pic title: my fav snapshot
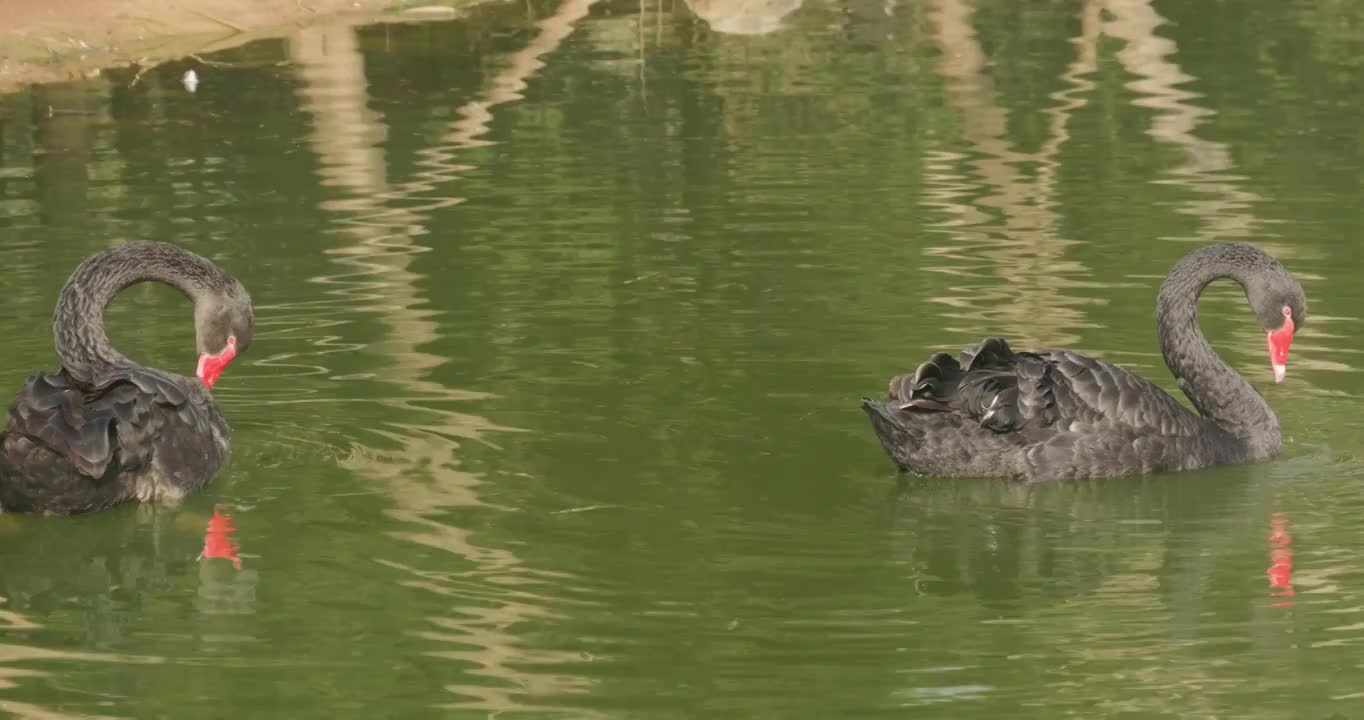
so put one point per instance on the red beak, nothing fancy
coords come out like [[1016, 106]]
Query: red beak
[[1278, 342], [211, 366]]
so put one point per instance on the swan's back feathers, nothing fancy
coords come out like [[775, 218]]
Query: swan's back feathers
[[51, 410], [1091, 391], [1002, 390], [1049, 413], [139, 433]]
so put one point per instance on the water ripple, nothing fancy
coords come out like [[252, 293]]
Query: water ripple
[[419, 467]]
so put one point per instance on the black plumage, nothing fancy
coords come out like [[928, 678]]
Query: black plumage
[[1051, 414], [105, 430]]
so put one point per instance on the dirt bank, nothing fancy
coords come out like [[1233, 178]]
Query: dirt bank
[[56, 40]]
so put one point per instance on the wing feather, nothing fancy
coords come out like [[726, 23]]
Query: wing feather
[[1008, 391], [69, 447]]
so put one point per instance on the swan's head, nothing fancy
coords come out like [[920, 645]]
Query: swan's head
[[223, 326], [1281, 307]]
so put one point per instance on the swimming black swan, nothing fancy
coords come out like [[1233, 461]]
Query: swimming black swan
[[1053, 414], [105, 429]]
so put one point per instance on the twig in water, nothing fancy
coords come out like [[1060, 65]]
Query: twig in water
[[142, 69], [219, 20], [584, 508]]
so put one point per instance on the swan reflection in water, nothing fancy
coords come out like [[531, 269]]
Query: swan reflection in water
[[1280, 570], [218, 542], [224, 587]]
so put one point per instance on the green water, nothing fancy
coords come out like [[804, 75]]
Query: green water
[[563, 315]]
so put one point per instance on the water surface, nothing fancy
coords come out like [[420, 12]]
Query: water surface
[[564, 312]]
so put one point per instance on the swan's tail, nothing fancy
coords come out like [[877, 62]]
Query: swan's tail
[[879, 412], [887, 420]]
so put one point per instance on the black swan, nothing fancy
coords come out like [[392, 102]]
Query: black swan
[[105, 429], [1057, 414]]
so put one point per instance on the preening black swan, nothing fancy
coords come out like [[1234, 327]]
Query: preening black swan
[[105, 429], [1053, 414]]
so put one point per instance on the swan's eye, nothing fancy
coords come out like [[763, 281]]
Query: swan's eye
[[1287, 311]]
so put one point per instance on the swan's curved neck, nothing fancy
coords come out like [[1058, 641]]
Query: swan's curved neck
[[78, 322], [1216, 390]]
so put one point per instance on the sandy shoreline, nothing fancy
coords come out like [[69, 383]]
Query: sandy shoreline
[[59, 40]]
